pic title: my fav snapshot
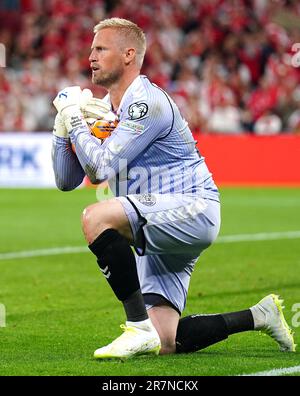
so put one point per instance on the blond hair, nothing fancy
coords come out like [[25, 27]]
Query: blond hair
[[129, 33]]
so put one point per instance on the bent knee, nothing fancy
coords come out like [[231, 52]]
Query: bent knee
[[94, 221], [98, 217], [87, 217]]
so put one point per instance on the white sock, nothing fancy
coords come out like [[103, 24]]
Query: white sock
[[259, 317], [142, 324]]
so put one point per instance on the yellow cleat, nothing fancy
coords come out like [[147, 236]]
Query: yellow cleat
[[275, 324], [138, 339]]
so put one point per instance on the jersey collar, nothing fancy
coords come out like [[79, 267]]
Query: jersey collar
[[132, 87]]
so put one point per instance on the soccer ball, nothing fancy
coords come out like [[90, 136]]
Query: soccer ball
[[101, 129]]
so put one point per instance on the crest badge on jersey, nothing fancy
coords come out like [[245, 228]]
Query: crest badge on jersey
[[137, 110], [146, 199]]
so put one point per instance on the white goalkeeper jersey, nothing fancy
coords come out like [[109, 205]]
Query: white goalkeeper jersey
[[152, 150]]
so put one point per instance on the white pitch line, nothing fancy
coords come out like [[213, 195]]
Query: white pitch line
[[275, 372], [43, 252], [265, 236]]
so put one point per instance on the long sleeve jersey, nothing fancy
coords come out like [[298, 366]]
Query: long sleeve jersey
[[152, 150]]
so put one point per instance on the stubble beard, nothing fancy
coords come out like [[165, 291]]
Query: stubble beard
[[108, 79]]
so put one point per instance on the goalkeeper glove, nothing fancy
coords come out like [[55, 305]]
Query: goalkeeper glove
[[75, 105], [94, 108], [67, 103], [59, 128]]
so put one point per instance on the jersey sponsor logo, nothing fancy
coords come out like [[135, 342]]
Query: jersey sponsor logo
[[146, 199], [132, 125], [137, 110]]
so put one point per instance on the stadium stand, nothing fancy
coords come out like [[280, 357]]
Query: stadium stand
[[227, 63]]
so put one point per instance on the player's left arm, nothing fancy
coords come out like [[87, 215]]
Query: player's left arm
[[140, 124]]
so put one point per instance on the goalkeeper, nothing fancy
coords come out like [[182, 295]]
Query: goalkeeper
[[166, 206]]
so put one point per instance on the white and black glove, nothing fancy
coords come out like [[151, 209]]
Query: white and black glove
[[59, 128], [74, 106], [94, 108], [67, 103]]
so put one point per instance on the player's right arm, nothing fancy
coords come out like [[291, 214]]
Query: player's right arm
[[67, 169], [73, 106]]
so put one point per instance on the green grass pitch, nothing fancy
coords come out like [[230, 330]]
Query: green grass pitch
[[59, 308]]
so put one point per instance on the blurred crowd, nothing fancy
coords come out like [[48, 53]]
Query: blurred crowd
[[230, 65]]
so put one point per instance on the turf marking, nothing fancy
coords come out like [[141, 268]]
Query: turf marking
[[264, 236], [275, 372], [44, 252]]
